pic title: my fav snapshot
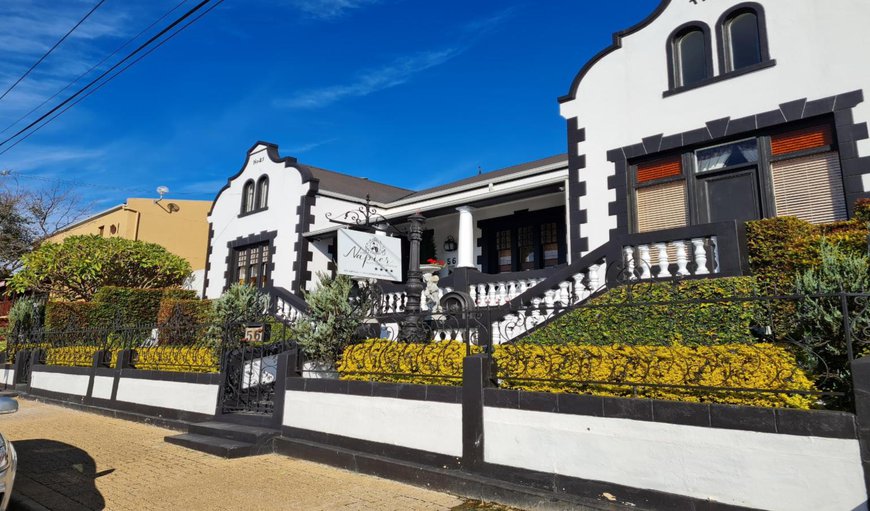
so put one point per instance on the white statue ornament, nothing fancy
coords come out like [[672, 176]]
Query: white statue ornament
[[431, 294]]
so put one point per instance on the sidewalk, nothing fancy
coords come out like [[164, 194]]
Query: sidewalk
[[73, 460]]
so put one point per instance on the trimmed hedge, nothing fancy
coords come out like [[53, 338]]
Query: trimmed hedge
[[440, 363], [72, 316], [621, 316], [184, 321], [179, 359], [111, 305], [609, 368], [74, 356]]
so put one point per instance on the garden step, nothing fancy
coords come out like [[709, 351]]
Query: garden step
[[217, 446], [238, 432]]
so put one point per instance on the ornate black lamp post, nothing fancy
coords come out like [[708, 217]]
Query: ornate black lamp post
[[411, 329]]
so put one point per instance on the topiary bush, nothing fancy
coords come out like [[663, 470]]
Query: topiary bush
[[128, 306], [183, 321], [647, 314], [239, 305], [436, 363]]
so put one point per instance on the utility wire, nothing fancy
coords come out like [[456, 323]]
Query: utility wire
[[98, 87], [62, 39], [111, 69], [95, 66]]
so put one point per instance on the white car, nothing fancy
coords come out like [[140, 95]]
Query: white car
[[8, 457]]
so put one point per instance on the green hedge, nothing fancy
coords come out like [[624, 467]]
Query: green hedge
[[127, 306], [184, 321], [621, 316]]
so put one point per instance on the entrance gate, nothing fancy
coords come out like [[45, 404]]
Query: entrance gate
[[251, 373]]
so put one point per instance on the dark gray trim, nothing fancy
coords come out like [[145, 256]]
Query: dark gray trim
[[818, 423], [230, 263], [847, 133], [721, 77], [376, 448], [577, 217], [755, 8], [208, 253], [433, 393], [301, 246], [671, 50], [615, 45], [272, 153]]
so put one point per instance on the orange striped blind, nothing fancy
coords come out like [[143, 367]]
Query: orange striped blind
[[659, 169], [808, 138]]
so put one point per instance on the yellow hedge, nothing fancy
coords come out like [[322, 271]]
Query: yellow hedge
[[181, 359], [437, 363], [688, 373]]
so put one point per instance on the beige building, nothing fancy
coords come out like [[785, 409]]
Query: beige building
[[180, 226]]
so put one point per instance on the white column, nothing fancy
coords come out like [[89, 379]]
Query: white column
[[465, 255]]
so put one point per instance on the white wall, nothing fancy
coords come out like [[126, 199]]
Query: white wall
[[191, 397], [820, 47], [76, 384], [103, 387], [423, 425], [757, 470], [7, 376], [285, 194]]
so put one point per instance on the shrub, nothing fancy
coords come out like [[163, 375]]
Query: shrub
[[25, 315], [71, 316], [184, 321], [621, 315], [437, 363], [127, 306], [332, 319], [75, 356], [239, 305], [76, 268], [182, 359], [609, 368]]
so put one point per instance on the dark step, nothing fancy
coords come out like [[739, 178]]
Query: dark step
[[453, 481], [222, 447], [238, 432]]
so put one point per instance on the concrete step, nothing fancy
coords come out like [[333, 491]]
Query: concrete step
[[217, 446], [238, 432]]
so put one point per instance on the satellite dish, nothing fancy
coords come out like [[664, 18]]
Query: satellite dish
[[162, 190]]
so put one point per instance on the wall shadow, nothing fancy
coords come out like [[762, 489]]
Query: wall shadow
[[57, 475]]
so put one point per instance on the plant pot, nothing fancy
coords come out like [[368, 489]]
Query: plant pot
[[430, 268], [321, 370]]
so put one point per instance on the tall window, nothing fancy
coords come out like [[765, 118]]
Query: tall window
[[252, 265], [263, 192], [691, 57], [248, 197], [742, 41]]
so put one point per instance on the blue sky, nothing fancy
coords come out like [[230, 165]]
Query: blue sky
[[407, 92]]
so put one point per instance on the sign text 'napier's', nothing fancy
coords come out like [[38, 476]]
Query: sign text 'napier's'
[[361, 254]]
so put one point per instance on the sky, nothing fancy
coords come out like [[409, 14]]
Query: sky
[[406, 92]]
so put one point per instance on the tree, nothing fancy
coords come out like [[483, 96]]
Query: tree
[[28, 216], [76, 268]]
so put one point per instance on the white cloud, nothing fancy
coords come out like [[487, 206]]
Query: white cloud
[[330, 9], [391, 75]]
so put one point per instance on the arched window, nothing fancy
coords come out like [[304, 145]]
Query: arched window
[[742, 38], [690, 57], [263, 192], [690, 51], [248, 197]]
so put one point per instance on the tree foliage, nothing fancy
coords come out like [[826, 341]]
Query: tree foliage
[[78, 267], [239, 305]]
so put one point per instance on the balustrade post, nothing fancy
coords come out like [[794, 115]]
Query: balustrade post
[[682, 258], [578, 288], [594, 278], [662, 250], [645, 262], [564, 293], [628, 253], [700, 256]]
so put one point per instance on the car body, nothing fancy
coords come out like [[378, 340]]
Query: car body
[[8, 456]]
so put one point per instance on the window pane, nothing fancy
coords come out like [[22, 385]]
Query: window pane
[[729, 155], [691, 57], [744, 41], [249, 197], [550, 244], [504, 248], [526, 248], [263, 193]]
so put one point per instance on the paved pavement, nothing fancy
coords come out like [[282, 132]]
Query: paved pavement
[[71, 460]]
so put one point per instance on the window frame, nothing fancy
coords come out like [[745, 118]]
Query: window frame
[[694, 180], [236, 246], [674, 80], [722, 40], [520, 219], [257, 190]]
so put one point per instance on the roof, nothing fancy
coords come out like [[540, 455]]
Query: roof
[[488, 176], [357, 186]]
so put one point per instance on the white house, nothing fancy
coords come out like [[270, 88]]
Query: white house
[[706, 114]]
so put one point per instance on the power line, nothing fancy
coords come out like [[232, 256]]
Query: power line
[[95, 66], [62, 39], [115, 66], [98, 87]]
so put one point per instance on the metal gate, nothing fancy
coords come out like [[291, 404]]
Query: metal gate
[[24, 360], [250, 376]]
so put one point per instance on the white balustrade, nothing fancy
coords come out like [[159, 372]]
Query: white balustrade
[[682, 258], [645, 262], [685, 251], [629, 262], [700, 256], [663, 260]]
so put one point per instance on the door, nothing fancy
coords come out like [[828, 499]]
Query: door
[[732, 195]]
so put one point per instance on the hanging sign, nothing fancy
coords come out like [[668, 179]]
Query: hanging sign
[[361, 254]]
